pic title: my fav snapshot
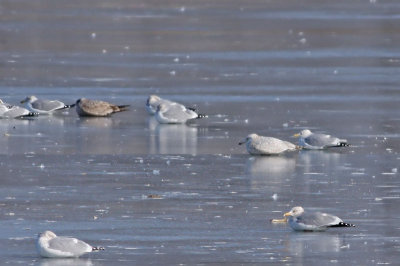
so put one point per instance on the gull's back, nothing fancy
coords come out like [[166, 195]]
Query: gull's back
[[47, 105], [268, 145], [71, 245], [318, 219], [321, 141], [175, 113]]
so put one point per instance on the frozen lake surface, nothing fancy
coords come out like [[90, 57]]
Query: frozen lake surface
[[188, 194]]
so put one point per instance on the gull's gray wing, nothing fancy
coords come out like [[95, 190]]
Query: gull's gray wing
[[318, 219], [16, 111], [71, 245], [179, 112], [48, 105], [322, 140]]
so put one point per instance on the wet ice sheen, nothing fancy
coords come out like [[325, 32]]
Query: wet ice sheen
[[273, 68]]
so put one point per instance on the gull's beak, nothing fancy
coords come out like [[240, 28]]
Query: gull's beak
[[23, 101], [242, 141], [296, 135], [287, 214]]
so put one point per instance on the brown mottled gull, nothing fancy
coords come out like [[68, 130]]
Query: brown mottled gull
[[86, 107]]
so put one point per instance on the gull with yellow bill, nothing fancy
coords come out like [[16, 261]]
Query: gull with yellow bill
[[299, 220]]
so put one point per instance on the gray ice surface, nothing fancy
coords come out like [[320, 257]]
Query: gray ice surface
[[273, 68]]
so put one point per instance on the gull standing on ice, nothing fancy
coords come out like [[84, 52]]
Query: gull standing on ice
[[43, 106], [154, 101], [49, 245], [86, 107], [318, 221], [309, 140], [13, 111], [260, 145], [175, 113]]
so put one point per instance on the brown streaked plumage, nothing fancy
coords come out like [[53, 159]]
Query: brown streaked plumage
[[87, 107]]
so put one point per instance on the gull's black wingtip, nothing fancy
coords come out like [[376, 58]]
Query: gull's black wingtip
[[67, 106], [123, 108], [30, 114], [342, 224]]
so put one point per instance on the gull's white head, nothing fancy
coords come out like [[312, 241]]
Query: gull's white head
[[304, 133], [249, 137], [153, 99], [29, 99], [295, 212], [47, 235]]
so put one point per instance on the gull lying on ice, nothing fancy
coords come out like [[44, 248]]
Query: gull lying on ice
[[309, 140], [50, 245], [43, 106], [318, 221], [154, 101], [86, 107], [13, 111], [175, 113], [260, 145]]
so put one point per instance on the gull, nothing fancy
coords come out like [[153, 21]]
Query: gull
[[318, 221], [312, 141], [13, 111], [43, 106], [260, 145], [154, 101], [175, 113], [49, 245], [86, 107]]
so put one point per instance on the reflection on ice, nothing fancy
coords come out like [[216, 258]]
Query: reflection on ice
[[17, 135], [96, 175], [101, 135], [172, 139], [65, 262], [320, 161], [50, 121], [6, 124], [99, 122], [267, 170], [152, 124], [305, 244]]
